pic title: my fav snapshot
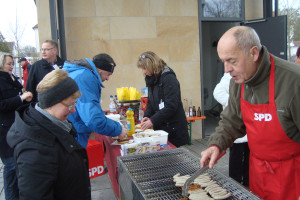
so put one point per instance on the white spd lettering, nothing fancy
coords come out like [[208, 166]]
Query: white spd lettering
[[262, 117], [97, 170]]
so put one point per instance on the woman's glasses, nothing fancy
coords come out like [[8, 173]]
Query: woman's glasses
[[70, 107]]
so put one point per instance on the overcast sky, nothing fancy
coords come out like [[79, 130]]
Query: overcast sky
[[26, 18]]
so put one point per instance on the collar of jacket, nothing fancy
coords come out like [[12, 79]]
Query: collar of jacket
[[87, 63], [5, 76], [42, 130], [263, 70], [59, 62]]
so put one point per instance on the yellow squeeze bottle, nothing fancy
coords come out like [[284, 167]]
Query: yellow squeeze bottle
[[130, 122]]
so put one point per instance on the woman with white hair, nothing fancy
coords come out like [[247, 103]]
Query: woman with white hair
[[11, 97], [50, 163]]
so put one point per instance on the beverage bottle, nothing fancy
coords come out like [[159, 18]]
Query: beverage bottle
[[112, 105], [191, 110], [141, 114], [130, 122], [186, 108], [199, 112], [194, 111]]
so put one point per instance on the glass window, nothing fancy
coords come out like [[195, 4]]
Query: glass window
[[291, 8], [222, 8]]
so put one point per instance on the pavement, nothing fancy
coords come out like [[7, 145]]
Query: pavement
[[101, 186]]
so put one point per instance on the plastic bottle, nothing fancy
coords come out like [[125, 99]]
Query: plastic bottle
[[191, 110], [112, 106], [141, 114], [130, 122]]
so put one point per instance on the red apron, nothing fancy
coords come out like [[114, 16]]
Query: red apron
[[274, 171]]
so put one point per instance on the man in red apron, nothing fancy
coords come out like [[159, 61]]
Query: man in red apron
[[263, 102]]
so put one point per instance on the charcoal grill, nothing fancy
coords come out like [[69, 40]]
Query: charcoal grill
[[150, 176]]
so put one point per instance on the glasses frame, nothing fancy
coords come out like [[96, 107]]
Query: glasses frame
[[70, 107], [46, 49]]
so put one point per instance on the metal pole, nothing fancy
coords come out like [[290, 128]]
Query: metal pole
[[61, 28], [53, 20]]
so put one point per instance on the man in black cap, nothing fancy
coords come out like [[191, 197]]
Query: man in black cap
[[26, 68], [89, 116]]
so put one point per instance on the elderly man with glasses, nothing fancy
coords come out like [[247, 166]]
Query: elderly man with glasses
[[50, 61]]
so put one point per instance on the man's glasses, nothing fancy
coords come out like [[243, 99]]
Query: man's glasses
[[70, 107], [46, 49]]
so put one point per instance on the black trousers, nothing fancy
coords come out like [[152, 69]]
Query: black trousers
[[239, 163]]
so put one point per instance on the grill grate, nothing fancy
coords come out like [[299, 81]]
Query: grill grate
[[152, 175]]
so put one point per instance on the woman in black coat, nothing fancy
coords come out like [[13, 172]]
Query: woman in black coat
[[164, 108], [50, 163], [11, 97]]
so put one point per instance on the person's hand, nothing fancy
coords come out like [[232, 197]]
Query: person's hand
[[146, 123], [27, 96], [123, 133], [209, 156]]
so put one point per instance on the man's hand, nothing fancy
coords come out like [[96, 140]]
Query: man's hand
[[209, 156], [146, 123], [123, 133]]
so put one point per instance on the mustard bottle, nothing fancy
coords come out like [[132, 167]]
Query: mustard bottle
[[130, 122]]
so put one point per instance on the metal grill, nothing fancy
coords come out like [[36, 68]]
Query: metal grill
[[150, 176]]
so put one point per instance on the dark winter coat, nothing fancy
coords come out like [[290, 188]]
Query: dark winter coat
[[37, 72], [9, 102], [50, 163], [171, 118]]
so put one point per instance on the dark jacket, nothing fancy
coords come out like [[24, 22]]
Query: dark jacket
[[37, 72], [9, 102], [171, 118], [50, 163]]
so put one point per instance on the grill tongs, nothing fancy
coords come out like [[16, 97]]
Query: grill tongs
[[195, 175]]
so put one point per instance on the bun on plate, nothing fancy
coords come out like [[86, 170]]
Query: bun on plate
[[124, 140]]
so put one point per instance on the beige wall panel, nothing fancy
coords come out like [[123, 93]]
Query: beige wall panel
[[173, 8], [44, 30], [184, 50], [177, 27], [77, 50], [43, 9], [132, 27], [188, 75], [79, 8], [253, 9], [122, 7], [158, 46], [87, 29], [118, 49]]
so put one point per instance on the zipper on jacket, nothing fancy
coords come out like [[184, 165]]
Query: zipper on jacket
[[252, 93]]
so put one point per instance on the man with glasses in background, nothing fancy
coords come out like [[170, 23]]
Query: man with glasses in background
[[49, 62]]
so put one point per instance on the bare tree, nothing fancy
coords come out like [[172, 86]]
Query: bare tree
[[16, 33], [221, 8], [290, 8]]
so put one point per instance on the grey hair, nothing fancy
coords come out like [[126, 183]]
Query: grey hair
[[2, 59], [246, 38]]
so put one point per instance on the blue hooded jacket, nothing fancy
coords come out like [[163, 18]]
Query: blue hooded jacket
[[89, 115]]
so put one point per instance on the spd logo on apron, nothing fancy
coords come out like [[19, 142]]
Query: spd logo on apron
[[262, 117]]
